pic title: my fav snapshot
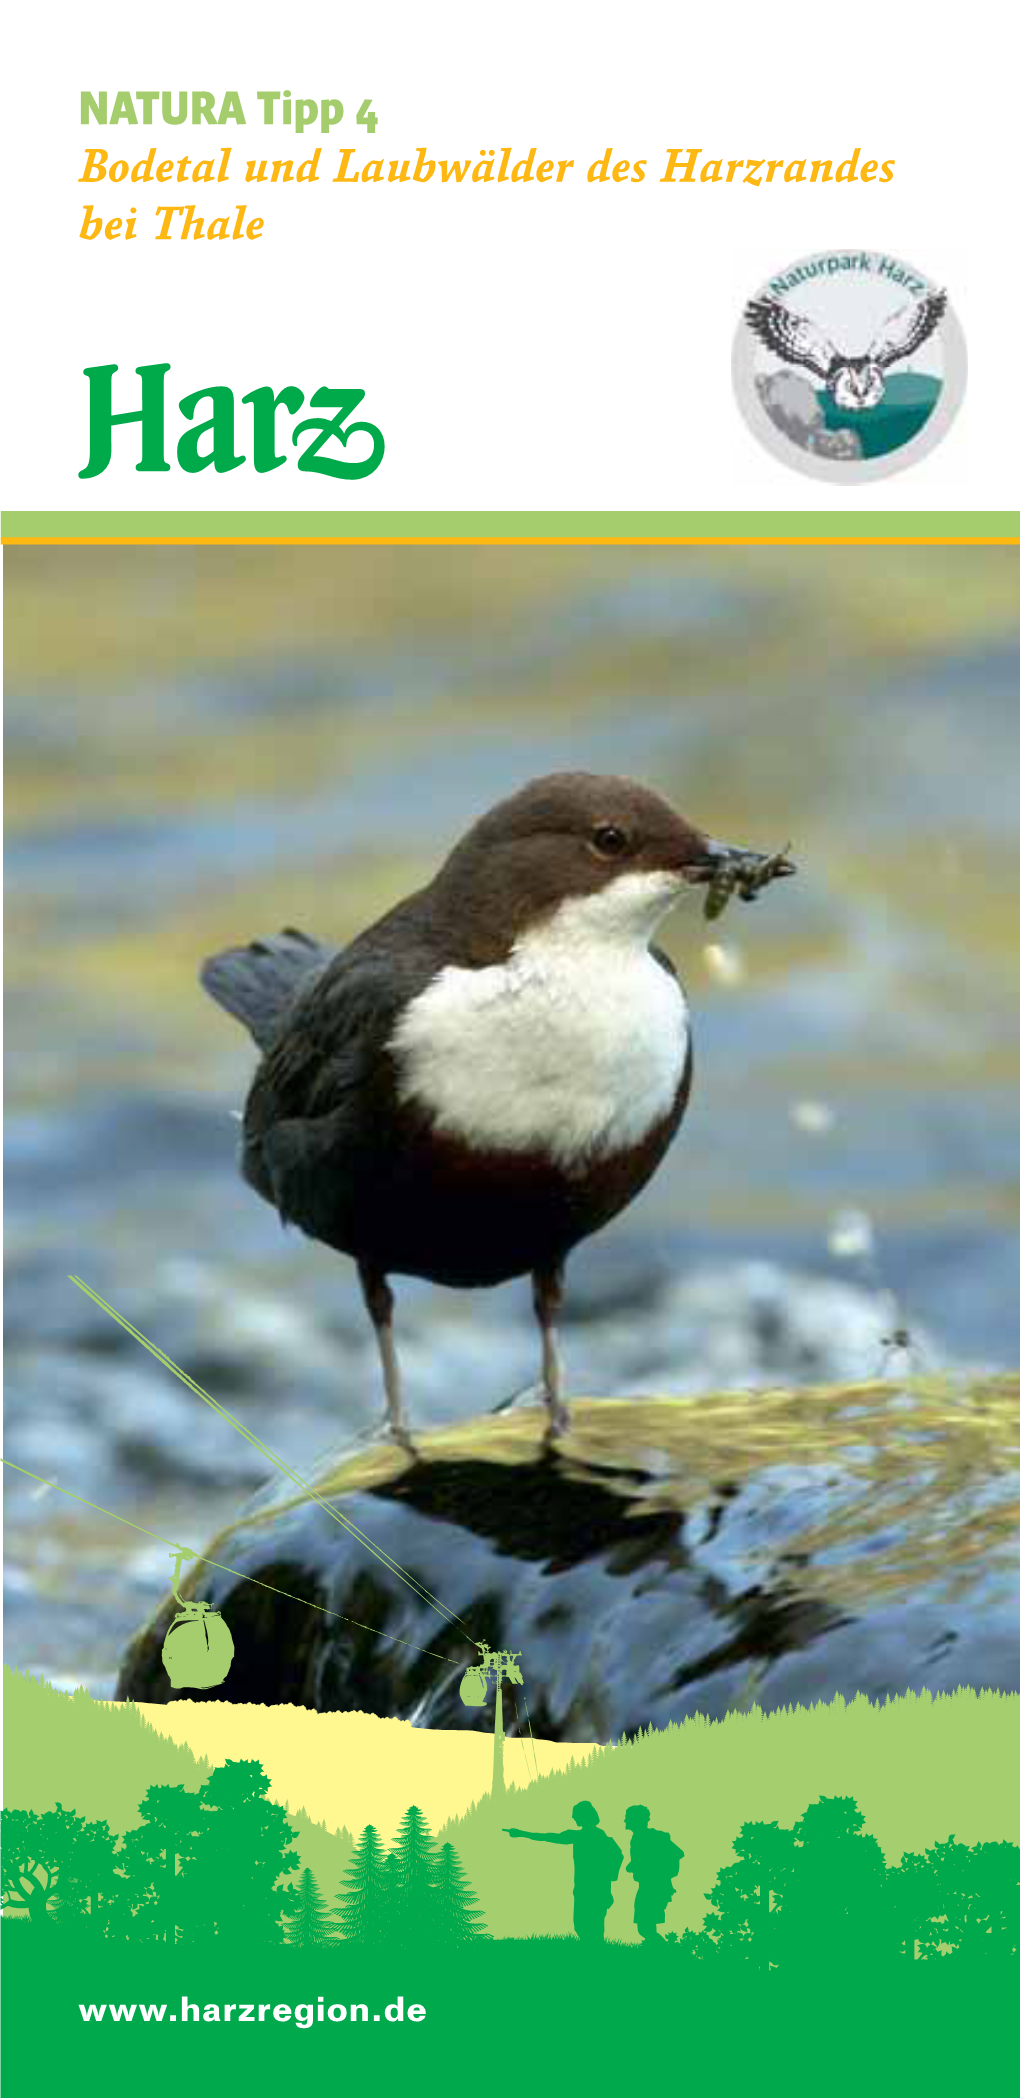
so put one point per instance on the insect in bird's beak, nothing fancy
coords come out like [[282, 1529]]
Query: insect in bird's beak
[[728, 869]]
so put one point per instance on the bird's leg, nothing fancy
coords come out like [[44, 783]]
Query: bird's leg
[[379, 1304], [547, 1297]]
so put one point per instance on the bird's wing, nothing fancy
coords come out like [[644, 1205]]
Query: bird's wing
[[320, 1093], [259, 983], [335, 1032], [791, 336], [907, 328]]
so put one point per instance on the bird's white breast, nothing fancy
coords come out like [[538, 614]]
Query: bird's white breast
[[575, 1045]]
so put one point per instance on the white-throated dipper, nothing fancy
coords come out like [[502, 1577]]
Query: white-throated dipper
[[495, 1068]]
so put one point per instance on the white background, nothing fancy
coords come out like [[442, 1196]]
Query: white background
[[522, 348]]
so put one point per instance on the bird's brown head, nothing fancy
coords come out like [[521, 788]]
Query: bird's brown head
[[564, 838]]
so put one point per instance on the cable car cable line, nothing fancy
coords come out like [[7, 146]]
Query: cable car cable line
[[527, 1715], [494, 1667], [377, 1630], [344, 1521], [520, 1734]]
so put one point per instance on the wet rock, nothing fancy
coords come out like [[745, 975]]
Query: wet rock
[[288, 1351], [669, 1557]]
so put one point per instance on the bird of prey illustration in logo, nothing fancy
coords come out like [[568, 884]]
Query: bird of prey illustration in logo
[[854, 382]]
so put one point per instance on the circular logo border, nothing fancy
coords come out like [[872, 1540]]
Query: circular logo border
[[858, 472]]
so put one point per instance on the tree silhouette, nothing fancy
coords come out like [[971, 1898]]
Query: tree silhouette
[[36, 1850], [362, 1905], [834, 1908], [415, 1852], [908, 1892], [959, 1898], [995, 1916], [153, 1902], [389, 1913], [91, 1880], [458, 1916], [309, 1925], [231, 1884], [746, 1896]]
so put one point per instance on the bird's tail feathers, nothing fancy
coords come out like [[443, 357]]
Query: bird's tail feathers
[[257, 984]]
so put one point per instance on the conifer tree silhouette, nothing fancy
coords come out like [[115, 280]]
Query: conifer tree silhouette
[[243, 1851], [390, 1911], [458, 1915], [35, 1855], [309, 1925], [415, 1852], [362, 1905]]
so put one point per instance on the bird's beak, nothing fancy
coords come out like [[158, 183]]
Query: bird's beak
[[716, 858]]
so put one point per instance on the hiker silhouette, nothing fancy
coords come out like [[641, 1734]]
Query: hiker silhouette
[[597, 1861], [654, 1858]]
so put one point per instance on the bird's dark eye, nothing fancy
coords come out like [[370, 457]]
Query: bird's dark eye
[[609, 841]]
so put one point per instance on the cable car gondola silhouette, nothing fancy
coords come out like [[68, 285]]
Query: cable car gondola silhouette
[[475, 1687], [198, 1648]]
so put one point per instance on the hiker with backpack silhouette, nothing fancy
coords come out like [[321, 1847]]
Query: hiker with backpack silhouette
[[654, 1858], [597, 1861]]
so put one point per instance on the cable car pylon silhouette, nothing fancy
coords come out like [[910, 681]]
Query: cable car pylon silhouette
[[493, 1668]]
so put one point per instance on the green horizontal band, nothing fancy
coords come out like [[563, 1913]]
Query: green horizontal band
[[976, 526]]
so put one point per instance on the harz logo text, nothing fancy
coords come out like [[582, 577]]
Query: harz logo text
[[212, 442]]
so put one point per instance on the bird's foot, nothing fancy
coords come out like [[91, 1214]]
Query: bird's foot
[[398, 1431], [557, 1414], [558, 1422], [386, 1429]]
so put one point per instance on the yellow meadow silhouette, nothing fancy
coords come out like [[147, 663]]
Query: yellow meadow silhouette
[[352, 1766]]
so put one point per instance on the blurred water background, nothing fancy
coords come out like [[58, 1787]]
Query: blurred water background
[[205, 744]]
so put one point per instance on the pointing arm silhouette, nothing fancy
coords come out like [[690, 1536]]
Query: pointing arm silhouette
[[535, 1835]]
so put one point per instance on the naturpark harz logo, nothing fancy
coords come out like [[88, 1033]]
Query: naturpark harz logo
[[849, 364]]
